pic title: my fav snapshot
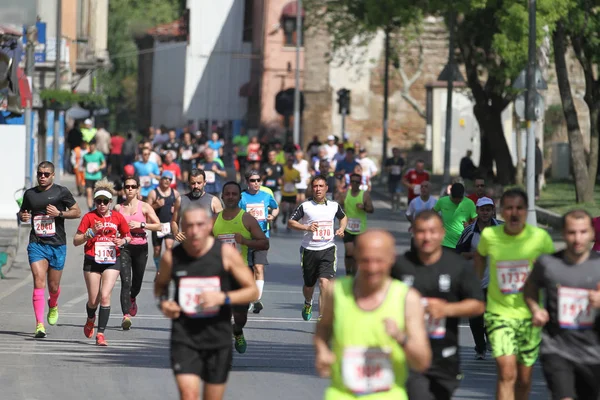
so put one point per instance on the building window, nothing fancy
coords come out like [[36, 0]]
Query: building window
[[289, 31], [248, 20]]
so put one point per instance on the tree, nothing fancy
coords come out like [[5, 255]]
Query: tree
[[581, 27], [119, 81]]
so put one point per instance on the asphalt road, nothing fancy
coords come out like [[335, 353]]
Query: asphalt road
[[277, 364]]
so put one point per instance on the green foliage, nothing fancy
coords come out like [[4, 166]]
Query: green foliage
[[126, 19], [67, 97], [554, 119]]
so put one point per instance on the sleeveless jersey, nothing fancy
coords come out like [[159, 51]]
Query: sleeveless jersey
[[225, 230], [205, 202], [357, 219], [165, 213], [369, 364], [138, 235]]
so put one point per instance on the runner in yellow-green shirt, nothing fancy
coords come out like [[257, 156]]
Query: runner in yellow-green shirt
[[240, 229], [456, 211], [375, 326], [512, 249], [356, 204]]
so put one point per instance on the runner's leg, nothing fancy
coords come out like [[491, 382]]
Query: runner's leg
[[507, 377], [523, 382], [349, 261], [213, 392], [39, 271], [138, 267], [109, 277], [125, 275], [189, 386]]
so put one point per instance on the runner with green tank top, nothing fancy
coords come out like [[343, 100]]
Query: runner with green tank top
[[356, 204], [375, 326], [512, 249], [238, 228]]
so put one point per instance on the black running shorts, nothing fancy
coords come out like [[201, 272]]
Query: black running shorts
[[567, 379], [318, 264], [212, 366], [427, 387]]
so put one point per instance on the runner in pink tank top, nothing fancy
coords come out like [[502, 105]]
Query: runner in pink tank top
[[140, 216]]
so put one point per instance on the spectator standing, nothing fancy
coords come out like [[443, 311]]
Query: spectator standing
[[467, 169], [88, 132], [413, 179], [393, 167], [128, 151], [115, 165]]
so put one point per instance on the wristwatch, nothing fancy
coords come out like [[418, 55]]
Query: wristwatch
[[227, 299], [60, 214], [143, 225]]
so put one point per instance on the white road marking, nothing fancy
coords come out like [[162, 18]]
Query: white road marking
[[74, 301], [18, 286]]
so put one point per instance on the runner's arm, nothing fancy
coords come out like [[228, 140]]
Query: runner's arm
[[81, 236], [152, 221], [72, 212], [324, 329], [294, 221], [234, 264], [342, 217], [259, 241], [369, 209], [163, 278], [216, 204], [175, 217], [479, 263], [531, 290], [416, 344], [152, 200]]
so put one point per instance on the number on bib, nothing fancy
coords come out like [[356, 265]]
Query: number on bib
[[44, 226], [257, 210], [92, 167], [512, 275], [165, 230], [574, 309], [396, 170], [353, 225], [190, 290], [145, 181], [367, 370], [105, 253], [271, 182], [417, 189], [325, 231], [229, 239], [186, 155], [436, 328], [210, 176]]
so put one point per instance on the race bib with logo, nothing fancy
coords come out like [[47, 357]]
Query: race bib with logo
[[436, 328], [92, 167], [210, 176], [44, 226], [289, 187], [105, 253], [353, 225], [165, 230], [417, 189], [324, 232], [574, 309], [271, 182], [190, 290], [145, 181], [253, 156], [229, 239], [512, 275], [367, 370], [257, 210], [396, 170], [186, 155]]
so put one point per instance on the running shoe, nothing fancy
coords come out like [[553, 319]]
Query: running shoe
[[40, 331], [100, 341], [88, 328], [126, 323], [240, 343], [258, 306], [53, 315], [133, 309], [307, 312], [250, 307], [480, 356]]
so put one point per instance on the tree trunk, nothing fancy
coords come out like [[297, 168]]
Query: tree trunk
[[578, 157], [594, 143], [494, 146], [519, 174]]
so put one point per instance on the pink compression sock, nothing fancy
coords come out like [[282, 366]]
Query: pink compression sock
[[38, 305], [53, 300]]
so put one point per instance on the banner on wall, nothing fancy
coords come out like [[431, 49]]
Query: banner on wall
[[49, 134], [61, 142]]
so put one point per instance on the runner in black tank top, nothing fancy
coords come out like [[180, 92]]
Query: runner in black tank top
[[164, 205], [209, 279]]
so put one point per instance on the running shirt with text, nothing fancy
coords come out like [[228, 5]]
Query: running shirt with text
[[46, 229], [451, 279], [101, 247], [510, 260], [324, 214], [573, 331], [258, 205]]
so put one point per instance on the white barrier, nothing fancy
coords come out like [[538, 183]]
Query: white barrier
[[12, 168]]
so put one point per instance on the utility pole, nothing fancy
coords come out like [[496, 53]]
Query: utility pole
[[55, 144], [386, 93], [343, 107], [29, 71], [297, 86], [451, 77], [531, 117]]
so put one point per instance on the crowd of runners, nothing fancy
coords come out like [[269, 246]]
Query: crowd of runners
[[387, 330]]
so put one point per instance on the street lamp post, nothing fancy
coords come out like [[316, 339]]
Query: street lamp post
[[386, 94], [55, 144], [297, 86], [531, 117]]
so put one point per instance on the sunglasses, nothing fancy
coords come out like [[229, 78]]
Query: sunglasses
[[130, 186], [355, 182], [44, 174], [102, 201], [167, 178], [253, 180]]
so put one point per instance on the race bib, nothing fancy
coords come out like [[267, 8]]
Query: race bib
[[271, 182], [210, 176], [289, 187], [353, 225], [253, 157], [92, 167], [186, 155], [417, 189], [257, 210], [44, 226], [436, 328], [105, 253], [324, 233], [396, 170], [190, 290], [164, 230], [512, 275], [574, 309], [367, 370], [145, 181], [230, 240]]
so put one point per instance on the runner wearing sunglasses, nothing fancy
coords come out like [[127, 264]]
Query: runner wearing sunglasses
[[134, 257], [104, 233], [47, 205]]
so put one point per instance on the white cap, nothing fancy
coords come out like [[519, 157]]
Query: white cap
[[103, 193], [87, 121], [485, 201], [330, 137]]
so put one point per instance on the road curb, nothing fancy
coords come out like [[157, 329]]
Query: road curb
[[10, 245], [548, 218]]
